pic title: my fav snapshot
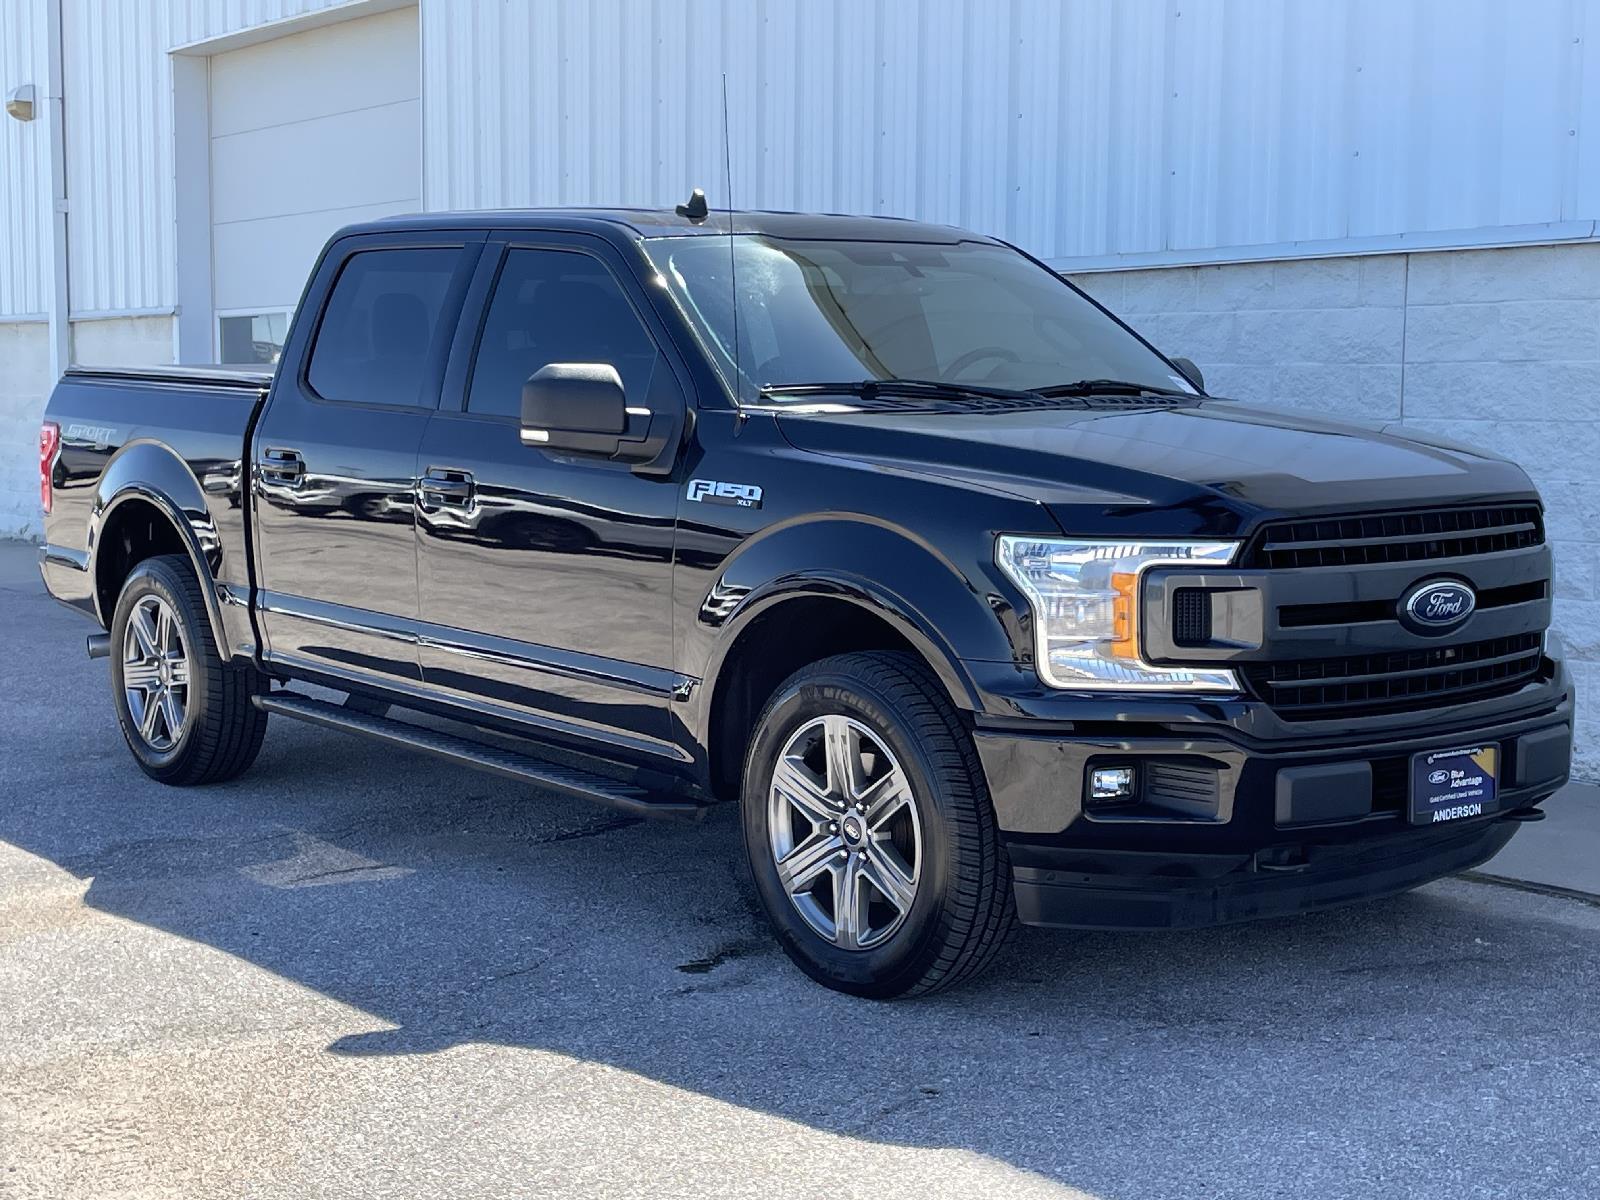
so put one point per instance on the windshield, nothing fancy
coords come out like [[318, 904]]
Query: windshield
[[846, 312]]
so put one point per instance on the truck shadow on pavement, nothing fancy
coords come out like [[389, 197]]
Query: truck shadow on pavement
[[1387, 1042]]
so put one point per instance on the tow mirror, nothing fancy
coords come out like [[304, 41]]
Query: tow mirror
[[1191, 372], [581, 408]]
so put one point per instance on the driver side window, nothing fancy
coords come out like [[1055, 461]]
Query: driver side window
[[555, 306]]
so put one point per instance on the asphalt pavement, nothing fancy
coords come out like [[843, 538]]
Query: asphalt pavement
[[355, 972]]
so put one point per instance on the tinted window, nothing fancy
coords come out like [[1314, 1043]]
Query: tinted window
[[555, 306], [379, 326]]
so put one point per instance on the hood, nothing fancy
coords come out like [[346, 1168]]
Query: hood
[[1211, 467]]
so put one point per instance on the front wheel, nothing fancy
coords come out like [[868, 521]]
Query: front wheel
[[869, 830], [186, 714]]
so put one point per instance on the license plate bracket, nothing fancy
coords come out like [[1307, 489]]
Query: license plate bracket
[[1454, 784]]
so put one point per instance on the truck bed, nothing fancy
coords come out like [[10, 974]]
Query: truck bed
[[131, 434]]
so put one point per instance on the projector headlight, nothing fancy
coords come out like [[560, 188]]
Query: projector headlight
[[1085, 601]]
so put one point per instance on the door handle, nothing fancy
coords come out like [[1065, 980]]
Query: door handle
[[281, 466], [452, 488]]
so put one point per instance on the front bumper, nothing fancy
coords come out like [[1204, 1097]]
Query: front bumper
[[1256, 887], [1243, 826]]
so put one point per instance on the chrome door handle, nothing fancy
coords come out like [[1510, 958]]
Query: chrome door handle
[[281, 466], [454, 488]]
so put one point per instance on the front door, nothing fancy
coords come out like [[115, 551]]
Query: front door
[[334, 459], [546, 577]]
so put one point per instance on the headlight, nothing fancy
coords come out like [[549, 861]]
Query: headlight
[[1085, 601]]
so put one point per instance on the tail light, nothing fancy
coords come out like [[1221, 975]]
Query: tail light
[[49, 445]]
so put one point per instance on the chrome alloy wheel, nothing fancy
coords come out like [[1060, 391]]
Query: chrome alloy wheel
[[843, 830], [155, 673]]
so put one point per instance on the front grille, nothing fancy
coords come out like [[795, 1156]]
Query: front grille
[[1414, 536], [1395, 681], [1356, 612]]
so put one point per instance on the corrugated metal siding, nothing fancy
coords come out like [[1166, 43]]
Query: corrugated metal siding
[[24, 164], [119, 137], [1079, 130]]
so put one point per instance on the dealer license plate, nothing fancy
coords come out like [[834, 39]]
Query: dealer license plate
[[1453, 785]]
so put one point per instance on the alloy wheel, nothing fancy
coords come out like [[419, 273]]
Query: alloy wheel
[[155, 673], [844, 832]]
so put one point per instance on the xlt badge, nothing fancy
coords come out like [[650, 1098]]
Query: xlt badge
[[711, 491]]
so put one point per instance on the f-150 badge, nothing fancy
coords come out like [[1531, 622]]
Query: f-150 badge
[[711, 491]]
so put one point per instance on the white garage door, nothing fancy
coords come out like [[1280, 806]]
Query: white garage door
[[308, 132]]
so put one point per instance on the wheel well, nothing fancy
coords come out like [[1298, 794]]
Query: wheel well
[[773, 647], [137, 530]]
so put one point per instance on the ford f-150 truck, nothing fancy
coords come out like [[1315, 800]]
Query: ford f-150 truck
[[977, 606]]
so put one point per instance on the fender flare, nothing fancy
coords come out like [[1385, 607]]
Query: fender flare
[[150, 472], [947, 616]]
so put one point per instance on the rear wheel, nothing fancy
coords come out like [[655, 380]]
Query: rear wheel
[[185, 713], [869, 830]]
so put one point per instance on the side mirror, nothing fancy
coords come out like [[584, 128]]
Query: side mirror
[[578, 407], [1191, 372]]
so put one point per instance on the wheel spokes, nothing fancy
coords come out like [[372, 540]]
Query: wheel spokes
[[144, 632], [155, 666], [171, 712], [143, 674], [844, 832], [163, 629], [800, 868], [885, 798], [150, 704], [889, 878], [848, 919], [842, 749], [795, 783]]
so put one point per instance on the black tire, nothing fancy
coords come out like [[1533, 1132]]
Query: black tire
[[222, 731], [963, 911]]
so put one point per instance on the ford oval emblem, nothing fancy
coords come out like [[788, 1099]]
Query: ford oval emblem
[[1437, 605]]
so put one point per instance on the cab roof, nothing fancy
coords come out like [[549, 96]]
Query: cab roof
[[665, 222]]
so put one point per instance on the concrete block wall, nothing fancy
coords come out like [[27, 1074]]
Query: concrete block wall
[[24, 386], [1498, 348]]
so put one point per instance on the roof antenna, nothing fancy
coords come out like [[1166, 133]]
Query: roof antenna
[[733, 277], [696, 209]]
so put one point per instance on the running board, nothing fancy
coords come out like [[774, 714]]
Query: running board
[[570, 781]]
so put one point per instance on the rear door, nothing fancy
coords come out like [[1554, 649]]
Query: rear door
[[546, 577], [334, 458]]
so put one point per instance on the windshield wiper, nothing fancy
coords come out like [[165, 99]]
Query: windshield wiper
[[1108, 387], [869, 389]]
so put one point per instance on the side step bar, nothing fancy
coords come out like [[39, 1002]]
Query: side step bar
[[570, 781]]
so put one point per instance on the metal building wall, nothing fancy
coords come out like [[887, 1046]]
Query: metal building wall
[[119, 145], [1094, 133], [1166, 130], [24, 165]]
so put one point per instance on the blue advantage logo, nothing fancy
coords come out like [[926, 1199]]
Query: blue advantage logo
[[1436, 605]]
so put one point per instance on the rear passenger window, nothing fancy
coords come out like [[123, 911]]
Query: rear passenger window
[[556, 306], [379, 325]]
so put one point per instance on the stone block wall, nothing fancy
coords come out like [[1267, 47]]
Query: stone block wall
[[1498, 348]]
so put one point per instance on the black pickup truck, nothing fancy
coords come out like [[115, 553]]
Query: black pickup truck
[[976, 605]]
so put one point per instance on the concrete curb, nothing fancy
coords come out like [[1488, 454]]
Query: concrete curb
[[1559, 855]]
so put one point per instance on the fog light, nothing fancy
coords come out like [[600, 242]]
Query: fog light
[[1107, 785]]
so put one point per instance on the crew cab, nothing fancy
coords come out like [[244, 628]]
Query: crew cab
[[976, 606]]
